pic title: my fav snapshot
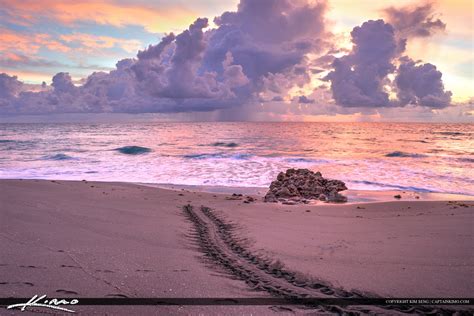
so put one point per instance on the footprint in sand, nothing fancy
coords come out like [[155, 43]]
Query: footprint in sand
[[66, 292], [117, 295], [17, 283], [68, 266], [280, 309], [144, 270], [32, 267]]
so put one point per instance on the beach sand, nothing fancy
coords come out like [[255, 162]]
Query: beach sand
[[97, 239]]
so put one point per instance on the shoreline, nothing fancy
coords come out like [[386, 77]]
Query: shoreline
[[110, 239], [354, 196]]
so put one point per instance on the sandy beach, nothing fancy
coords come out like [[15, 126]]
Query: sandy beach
[[236, 157], [98, 239]]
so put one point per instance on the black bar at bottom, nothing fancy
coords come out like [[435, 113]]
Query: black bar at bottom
[[252, 301]]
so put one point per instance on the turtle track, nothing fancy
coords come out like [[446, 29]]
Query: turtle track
[[217, 241]]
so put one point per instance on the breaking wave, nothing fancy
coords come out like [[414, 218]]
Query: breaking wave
[[470, 160], [241, 156], [223, 144], [58, 157], [305, 160], [402, 154], [393, 186], [133, 150], [451, 133]]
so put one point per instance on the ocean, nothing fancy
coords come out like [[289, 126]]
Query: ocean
[[425, 157]]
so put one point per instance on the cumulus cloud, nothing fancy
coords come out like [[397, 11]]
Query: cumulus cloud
[[249, 53], [360, 78], [421, 85], [415, 21], [62, 83], [9, 86], [266, 36], [266, 51]]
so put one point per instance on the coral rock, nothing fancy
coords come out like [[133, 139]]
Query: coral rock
[[300, 185]]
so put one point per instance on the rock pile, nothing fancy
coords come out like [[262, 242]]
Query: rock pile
[[300, 185]]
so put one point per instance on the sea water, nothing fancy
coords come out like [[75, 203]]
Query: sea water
[[371, 156]]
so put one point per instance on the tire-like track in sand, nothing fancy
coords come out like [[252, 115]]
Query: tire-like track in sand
[[216, 240]]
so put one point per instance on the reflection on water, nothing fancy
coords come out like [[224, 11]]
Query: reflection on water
[[423, 157]]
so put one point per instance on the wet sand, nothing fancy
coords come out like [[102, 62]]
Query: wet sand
[[94, 239]]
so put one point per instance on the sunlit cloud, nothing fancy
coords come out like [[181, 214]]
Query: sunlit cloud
[[28, 43], [154, 20], [93, 44], [14, 60], [29, 76], [21, 52], [281, 60], [449, 60]]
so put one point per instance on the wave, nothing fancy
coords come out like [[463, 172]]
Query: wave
[[470, 160], [451, 133], [305, 160], [402, 154], [133, 150], [223, 144], [239, 156], [58, 157], [246, 156], [413, 141], [20, 142], [394, 186]]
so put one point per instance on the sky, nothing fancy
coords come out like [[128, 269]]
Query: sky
[[300, 60]]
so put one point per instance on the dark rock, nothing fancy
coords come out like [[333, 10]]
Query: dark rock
[[301, 185], [249, 199], [398, 196]]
